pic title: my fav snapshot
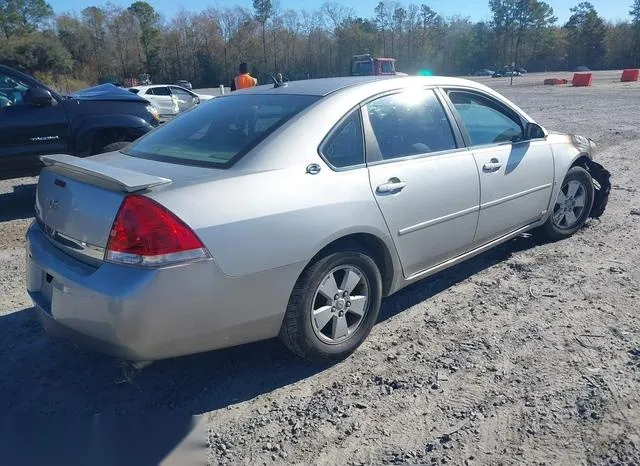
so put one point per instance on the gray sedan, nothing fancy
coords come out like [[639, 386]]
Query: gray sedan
[[291, 211]]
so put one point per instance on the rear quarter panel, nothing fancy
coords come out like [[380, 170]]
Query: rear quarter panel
[[268, 220]]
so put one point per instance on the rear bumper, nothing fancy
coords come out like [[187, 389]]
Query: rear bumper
[[147, 314]]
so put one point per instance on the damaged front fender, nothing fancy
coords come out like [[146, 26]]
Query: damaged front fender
[[602, 184]]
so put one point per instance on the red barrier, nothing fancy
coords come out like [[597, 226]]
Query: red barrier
[[554, 81], [630, 75], [581, 79]]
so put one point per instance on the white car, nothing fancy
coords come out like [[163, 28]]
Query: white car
[[170, 99]]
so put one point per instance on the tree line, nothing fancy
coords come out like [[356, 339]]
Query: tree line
[[110, 42]]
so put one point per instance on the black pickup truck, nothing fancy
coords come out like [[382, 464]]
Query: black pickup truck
[[34, 121]]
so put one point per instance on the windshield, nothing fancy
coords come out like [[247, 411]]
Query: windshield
[[219, 133]]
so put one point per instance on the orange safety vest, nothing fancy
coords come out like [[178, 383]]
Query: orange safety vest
[[244, 81]]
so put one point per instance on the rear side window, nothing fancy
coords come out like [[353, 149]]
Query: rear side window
[[410, 123], [486, 121], [362, 68], [219, 133], [345, 146]]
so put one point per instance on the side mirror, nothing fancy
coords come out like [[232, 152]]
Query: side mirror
[[533, 131], [38, 97], [196, 100]]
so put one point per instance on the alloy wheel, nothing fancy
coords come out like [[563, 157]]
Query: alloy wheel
[[340, 304], [569, 205]]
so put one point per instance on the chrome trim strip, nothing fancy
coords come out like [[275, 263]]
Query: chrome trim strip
[[467, 255], [71, 245], [502, 200], [438, 220]]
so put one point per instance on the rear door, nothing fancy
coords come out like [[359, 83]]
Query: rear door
[[423, 179], [27, 131], [516, 175]]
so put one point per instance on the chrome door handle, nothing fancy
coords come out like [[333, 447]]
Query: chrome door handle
[[492, 166], [393, 185]]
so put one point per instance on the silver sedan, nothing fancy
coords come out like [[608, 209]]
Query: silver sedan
[[292, 210]]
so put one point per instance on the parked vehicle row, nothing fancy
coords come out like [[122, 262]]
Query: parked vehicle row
[[506, 72], [261, 214], [35, 120], [170, 100]]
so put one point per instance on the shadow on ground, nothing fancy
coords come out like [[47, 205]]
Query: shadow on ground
[[44, 375], [19, 203]]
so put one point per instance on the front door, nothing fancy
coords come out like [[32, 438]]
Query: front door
[[27, 131], [186, 100], [425, 184], [161, 98], [516, 176]]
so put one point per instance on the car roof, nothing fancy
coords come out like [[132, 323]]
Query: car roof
[[325, 86], [151, 86], [317, 87]]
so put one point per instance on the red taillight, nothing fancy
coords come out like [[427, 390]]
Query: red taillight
[[146, 233]]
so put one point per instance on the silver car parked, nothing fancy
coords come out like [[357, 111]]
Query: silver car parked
[[292, 211]]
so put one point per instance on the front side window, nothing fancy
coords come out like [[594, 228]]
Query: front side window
[[158, 91], [486, 121], [12, 91], [410, 123], [345, 146], [180, 92], [219, 133]]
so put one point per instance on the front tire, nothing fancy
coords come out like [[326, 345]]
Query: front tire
[[572, 206], [333, 306]]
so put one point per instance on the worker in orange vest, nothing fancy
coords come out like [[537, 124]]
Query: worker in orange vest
[[244, 80]]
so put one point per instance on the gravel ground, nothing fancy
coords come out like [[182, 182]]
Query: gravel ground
[[528, 354]]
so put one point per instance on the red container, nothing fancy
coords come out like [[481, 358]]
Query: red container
[[581, 79], [630, 75]]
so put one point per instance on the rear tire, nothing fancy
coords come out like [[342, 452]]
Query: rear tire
[[572, 206], [319, 327], [113, 147]]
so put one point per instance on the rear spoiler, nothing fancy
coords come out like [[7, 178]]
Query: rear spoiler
[[114, 177]]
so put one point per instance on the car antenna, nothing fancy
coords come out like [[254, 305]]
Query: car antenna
[[277, 83]]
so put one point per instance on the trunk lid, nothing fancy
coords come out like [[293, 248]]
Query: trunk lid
[[78, 198]]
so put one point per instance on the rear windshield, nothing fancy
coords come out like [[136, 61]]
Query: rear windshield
[[220, 131], [362, 68]]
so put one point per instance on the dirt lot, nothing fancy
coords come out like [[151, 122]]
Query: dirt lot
[[528, 354]]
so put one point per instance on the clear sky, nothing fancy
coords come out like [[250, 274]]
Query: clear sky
[[475, 9]]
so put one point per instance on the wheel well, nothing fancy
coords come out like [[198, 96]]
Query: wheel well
[[581, 161], [371, 244], [106, 136]]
